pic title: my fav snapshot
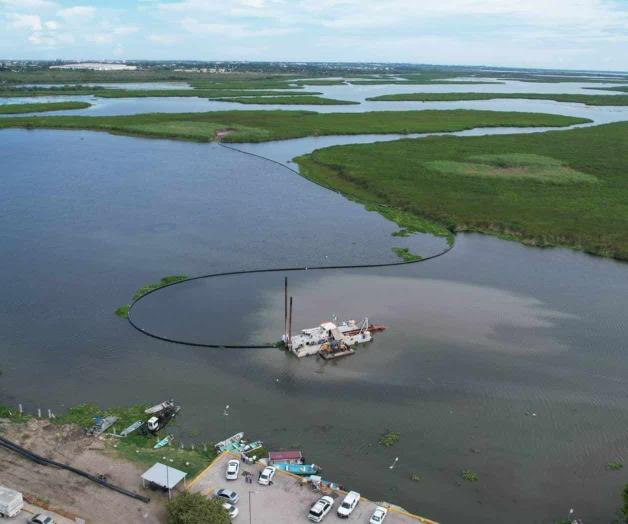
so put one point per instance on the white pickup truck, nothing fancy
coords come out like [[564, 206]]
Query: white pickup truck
[[11, 502]]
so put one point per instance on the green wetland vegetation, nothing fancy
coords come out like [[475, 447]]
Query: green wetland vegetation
[[123, 311], [261, 126], [287, 100], [566, 188], [103, 92], [591, 100], [11, 109]]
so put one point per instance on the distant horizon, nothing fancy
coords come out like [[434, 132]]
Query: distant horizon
[[118, 60], [579, 35]]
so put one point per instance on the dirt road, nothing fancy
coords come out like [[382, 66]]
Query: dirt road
[[67, 493]]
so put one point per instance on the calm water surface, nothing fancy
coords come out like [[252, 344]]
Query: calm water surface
[[503, 359]]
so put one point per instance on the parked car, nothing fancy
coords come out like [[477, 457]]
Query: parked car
[[266, 476], [40, 518], [233, 469], [348, 504], [378, 515], [320, 508], [231, 509], [227, 495]]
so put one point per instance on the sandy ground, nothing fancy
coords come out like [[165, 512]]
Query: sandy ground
[[69, 494], [287, 501]]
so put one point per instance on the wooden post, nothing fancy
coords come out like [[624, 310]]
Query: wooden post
[[290, 323], [285, 309]]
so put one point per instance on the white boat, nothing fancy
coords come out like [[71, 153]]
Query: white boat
[[229, 442], [159, 407], [310, 341]]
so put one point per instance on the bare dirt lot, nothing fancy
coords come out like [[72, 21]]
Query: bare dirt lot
[[66, 493]]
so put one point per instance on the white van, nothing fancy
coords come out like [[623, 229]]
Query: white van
[[11, 502]]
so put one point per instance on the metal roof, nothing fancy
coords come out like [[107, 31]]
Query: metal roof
[[165, 476], [284, 455]]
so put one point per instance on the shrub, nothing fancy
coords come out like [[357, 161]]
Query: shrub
[[194, 508]]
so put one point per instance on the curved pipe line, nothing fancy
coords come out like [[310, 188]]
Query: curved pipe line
[[252, 271]]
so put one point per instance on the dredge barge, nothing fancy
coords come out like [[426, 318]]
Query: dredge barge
[[329, 340]]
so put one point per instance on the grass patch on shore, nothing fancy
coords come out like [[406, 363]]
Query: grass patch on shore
[[13, 415], [137, 447], [123, 311], [591, 100], [581, 214], [260, 126], [10, 109], [287, 100]]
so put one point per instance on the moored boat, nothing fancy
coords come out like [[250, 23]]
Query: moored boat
[[159, 407], [299, 469]]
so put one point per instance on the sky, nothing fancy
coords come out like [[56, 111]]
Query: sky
[[560, 34]]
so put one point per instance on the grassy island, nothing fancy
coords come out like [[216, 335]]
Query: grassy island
[[11, 109], [566, 188], [280, 98], [590, 100], [261, 126]]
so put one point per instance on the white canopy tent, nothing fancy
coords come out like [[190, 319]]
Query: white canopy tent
[[163, 476]]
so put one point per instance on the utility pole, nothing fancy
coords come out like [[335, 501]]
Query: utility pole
[[225, 415], [250, 511], [290, 323], [285, 309]]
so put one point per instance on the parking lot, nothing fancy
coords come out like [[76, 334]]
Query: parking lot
[[285, 502]]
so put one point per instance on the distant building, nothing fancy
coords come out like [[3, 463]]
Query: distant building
[[96, 66]]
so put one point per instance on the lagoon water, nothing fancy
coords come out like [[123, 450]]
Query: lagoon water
[[507, 360]]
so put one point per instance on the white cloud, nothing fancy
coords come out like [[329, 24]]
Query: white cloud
[[24, 21], [163, 39], [28, 5], [52, 25], [77, 13]]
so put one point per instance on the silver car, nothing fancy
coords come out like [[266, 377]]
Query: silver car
[[227, 495]]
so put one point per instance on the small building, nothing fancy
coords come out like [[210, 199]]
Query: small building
[[163, 476], [285, 457]]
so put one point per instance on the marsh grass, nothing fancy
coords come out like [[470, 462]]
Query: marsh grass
[[591, 100], [11, 109], [591, 217], [260, 126], [287, 100], [516, 166]]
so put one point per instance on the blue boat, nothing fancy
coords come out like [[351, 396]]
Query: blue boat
[[299, 469]]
